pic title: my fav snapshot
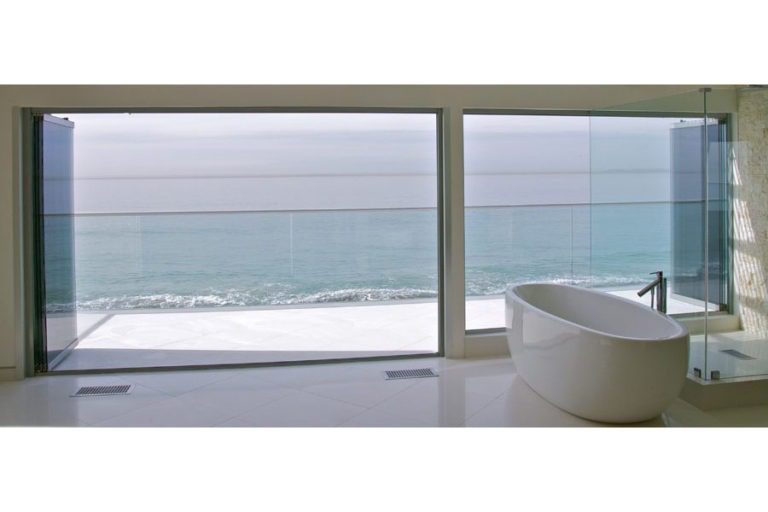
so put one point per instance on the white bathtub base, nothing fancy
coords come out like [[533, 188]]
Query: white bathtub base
[[595, 355]]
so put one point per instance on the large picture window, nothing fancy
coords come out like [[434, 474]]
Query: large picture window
[[216, 238], [597, 201]]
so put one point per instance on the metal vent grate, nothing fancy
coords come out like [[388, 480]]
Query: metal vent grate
[[736, 354], [417, 373], [119, 389]]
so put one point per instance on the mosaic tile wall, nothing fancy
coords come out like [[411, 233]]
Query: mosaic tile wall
[[750, 195]]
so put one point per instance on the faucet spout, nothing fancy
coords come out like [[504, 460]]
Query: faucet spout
[[648, 287]]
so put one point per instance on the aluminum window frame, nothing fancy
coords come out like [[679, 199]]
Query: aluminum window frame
[[726, 119], [32, 250]]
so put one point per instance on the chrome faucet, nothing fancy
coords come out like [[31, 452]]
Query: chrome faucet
[[658, 289]]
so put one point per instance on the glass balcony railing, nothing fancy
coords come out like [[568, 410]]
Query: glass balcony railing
[[193, 260], [206, 260], [608, 246]]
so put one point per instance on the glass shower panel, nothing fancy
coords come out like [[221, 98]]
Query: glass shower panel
[[660, 205], [633, 175], [700, 227]]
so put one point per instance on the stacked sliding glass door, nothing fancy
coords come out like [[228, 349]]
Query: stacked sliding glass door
[[55, 225]]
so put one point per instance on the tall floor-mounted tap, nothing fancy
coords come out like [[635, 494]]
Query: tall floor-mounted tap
[[658, 289]]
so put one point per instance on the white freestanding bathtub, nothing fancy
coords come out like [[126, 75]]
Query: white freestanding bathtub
[[593, 354]]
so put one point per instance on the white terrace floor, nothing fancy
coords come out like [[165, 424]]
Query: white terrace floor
[[257, 335]]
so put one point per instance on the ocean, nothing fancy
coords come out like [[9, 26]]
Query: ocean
[[189, 260]]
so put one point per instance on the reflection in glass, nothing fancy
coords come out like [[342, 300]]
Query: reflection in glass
[[58, 234]]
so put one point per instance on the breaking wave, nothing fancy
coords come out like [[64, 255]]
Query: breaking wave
[[492, 285], [481, 285], [234, 298]]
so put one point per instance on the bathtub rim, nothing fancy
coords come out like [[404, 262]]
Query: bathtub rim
[[682, 329]]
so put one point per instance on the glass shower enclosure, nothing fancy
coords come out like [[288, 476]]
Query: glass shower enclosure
[[670, 165]]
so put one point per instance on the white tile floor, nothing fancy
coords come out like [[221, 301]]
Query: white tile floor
[[474, 393]]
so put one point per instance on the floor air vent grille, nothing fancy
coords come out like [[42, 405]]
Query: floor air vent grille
[[736, 354], [418, 373], [120, 389]]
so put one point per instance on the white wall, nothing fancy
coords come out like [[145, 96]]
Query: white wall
[[450, 97]]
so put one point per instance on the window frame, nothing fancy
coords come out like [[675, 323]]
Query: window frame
[[724, 119], [33, 250]]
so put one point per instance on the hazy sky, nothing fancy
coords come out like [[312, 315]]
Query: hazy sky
[[144, 145], [189, 145], [299, 160]]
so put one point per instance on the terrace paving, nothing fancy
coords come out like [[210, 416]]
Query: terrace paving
[[135, 339]]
